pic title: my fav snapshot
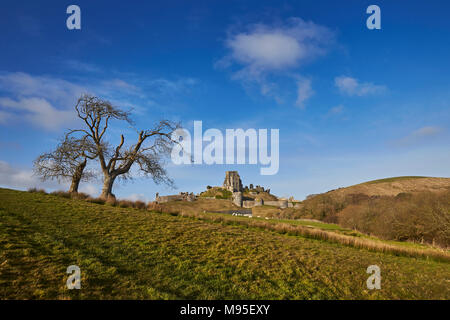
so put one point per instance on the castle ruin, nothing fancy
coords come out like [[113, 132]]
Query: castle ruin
[[233, 184], [232, 181]]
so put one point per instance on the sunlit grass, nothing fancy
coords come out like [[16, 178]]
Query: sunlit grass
[[126, 253]]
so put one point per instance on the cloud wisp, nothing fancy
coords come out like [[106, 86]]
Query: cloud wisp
[[421, 135], [47, 102], [304, 92], [37, 111], [353, 87], [43, 101]]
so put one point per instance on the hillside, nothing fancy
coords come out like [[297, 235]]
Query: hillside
[[401, 208], [137, 254], [393, 186]]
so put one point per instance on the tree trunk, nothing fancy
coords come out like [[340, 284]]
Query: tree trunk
[[108, 182], [76, 178]]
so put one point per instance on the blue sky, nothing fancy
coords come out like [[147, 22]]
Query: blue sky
[[351, 104]]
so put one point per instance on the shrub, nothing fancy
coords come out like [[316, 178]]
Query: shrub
[[125, 204], [71, 195], [420, 217], [80, 196], [96, 200], [36, 190], [139, 204], [62, 194], [111, 201]]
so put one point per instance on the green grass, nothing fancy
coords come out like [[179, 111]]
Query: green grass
[[218, 193], [335, 228], [301, 222], [135, 254]]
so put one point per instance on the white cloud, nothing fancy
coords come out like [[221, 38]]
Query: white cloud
[[20, 178], [352, 87], [264, 51], [43, 101], [23, 179], [304, 92], [37, 111], [137, 197], [89, 189], [59, 91], [266, 48], [48, 102], [271, 50]]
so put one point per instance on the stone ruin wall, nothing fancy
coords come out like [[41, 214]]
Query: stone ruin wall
[[182, 196]]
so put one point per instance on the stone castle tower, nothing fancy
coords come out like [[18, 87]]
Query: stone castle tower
[[232, 181]]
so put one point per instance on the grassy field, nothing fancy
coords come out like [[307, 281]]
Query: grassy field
[[136, 254]]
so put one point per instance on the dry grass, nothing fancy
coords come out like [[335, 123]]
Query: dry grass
[[394, 186]]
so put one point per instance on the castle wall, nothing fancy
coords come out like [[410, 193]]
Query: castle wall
[[237, 198], [162, 199], [183, 196], [277, 203], [248, 203]]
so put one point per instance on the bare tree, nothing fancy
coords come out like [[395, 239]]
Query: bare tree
[[67, 162], [148, 152]]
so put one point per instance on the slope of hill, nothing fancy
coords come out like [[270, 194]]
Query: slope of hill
[[394, 186], [402, 208], [137, 254]]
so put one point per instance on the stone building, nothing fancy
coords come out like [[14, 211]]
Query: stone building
[[232, 181], [237, 198], [182, 196]]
